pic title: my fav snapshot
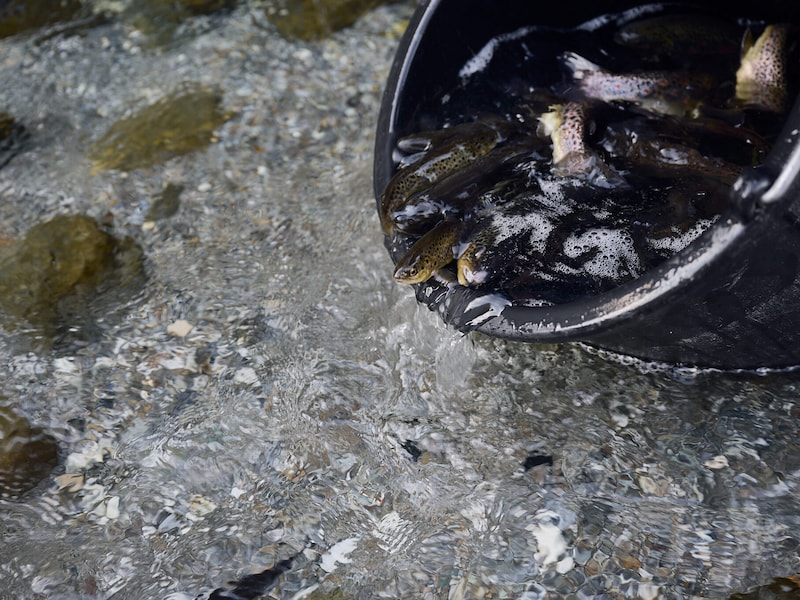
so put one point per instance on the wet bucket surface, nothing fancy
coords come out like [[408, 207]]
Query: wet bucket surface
[[728, 300]]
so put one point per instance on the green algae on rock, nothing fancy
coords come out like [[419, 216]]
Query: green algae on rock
[[177, 124], [315, 19], [27, 454], [49, 277]]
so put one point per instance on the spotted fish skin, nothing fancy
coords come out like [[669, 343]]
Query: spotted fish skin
[[568, 126], [457, 152], [434, 250], [470, 268], [761, 77], [462, 191], [673, 93]]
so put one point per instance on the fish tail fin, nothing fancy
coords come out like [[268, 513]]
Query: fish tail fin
[[579, 66]]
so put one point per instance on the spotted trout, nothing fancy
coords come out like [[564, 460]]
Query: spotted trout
[[568, 125], [434, 250], [761, 77], [470, 141], [675, 93], [681, 34]]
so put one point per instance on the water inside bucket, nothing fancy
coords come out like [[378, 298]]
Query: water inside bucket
[[658, 168]]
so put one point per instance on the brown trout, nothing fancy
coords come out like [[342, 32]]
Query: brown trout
[[761, 77], [568, 126], [462, 192], [431, 252], [473, 140], [663, 157], [675, 93]]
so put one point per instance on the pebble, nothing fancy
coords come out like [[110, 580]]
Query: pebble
[[717, 462], [180, 328]]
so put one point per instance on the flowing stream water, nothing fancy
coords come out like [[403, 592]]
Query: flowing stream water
[[270, 393]]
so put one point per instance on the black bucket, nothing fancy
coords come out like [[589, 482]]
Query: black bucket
[[730, 300]]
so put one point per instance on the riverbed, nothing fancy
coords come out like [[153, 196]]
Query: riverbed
[[270, 393]]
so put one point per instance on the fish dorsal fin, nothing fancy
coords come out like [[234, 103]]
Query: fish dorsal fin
[[747, 42]]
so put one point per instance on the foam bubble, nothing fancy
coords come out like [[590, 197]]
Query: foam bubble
[[678, 242], [510, 226], [614, 256], [553, 195]]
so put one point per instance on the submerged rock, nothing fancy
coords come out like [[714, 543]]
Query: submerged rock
[[27, 454], [316, 19], [197, 7], [49, 277], [322, 594], [11, 135], [177, 124], [165, 204], [160, 21], [17, 16]]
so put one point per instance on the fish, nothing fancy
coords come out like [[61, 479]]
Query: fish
[[568, 126], [431, 252], [674, 93], [471, 269], [465, 190], [661, 156], [506, 243], [460, 148], [487, 254], [761, 76], [681, 35]]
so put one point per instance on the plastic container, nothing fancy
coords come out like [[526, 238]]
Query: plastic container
[[729, 300]]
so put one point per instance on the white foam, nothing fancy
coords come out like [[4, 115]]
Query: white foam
[[553, 196], [615, 255], [551, 545], [540, 231], [676, 243], [509, 226]]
